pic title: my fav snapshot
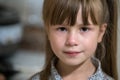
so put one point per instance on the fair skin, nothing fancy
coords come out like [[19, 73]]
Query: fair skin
[[74, 46]]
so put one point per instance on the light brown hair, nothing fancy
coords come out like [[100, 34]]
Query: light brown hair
[[100, 11]]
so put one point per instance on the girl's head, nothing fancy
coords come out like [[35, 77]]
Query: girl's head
[[57, 12]]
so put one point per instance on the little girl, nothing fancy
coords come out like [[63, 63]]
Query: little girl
[[81, 40]]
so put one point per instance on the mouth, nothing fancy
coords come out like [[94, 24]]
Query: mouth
[[72, 53]]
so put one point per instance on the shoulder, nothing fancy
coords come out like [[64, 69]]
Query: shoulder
[[99, 74], [107, 77], [35, 76]]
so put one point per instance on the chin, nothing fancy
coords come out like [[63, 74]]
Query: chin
[[74, 63]]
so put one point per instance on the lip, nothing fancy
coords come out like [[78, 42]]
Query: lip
[[72, 53]]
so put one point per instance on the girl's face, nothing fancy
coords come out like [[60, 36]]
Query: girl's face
[[76, 44]]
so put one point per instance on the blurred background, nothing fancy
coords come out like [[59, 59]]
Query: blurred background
[[22, 39]]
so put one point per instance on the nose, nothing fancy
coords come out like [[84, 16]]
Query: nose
[[72, 39]]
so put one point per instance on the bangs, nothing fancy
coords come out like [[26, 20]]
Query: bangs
[[65, 11]]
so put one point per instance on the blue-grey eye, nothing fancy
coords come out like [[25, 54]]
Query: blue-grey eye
[[62, 29], [84, 29]]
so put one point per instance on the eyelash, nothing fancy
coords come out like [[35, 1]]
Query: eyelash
[[62, 29], [82, 29]]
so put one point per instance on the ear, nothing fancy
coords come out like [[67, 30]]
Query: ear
[[102, 32]]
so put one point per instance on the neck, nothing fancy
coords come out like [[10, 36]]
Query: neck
[[82, 71]]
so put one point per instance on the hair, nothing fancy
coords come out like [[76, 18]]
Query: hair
[[100, 11]]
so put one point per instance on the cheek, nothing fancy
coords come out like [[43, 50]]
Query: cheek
[[56, 42], [91, 44]]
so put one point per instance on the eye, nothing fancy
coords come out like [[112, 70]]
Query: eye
[[62, 29], [84, 29]]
